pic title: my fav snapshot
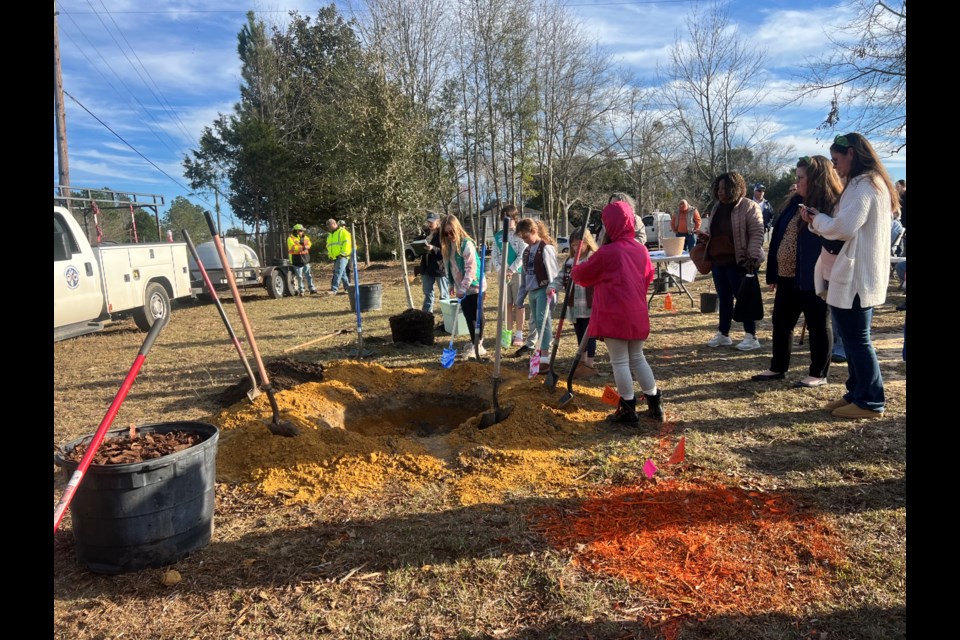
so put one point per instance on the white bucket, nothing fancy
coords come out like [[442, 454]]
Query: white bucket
[[672, 246]]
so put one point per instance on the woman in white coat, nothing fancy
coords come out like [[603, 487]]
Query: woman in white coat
[[858, 278]]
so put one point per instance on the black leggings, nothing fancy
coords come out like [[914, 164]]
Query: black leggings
[[469, 308]]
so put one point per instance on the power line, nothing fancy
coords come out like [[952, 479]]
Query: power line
[[156, 94], [128, 93], [134, 149]]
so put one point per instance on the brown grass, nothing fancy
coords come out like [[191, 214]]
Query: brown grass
[[442, 544]]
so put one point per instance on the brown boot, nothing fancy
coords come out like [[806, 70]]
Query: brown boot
[[583, 371]]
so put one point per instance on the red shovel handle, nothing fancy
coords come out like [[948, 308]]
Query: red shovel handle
[[77, 476]]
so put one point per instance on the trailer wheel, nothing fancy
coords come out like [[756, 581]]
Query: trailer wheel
[[276, 283], [156, 304]]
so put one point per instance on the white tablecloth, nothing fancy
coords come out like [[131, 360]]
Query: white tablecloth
[[680, 266]]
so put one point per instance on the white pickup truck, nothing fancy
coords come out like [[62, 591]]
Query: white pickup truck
[[93, 285]]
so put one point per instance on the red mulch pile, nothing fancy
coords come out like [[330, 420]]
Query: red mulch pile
[[701, 548], [126, 450]]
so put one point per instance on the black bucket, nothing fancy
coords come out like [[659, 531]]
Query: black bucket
[[708, 303], [128, 517], [660, 285], [369, 297]]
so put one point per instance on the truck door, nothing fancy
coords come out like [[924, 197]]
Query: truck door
[[76, 280]]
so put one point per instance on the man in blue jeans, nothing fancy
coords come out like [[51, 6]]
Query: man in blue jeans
[[339, 248]]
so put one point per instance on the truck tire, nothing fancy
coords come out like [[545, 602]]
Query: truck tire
[[276, 283], [156, 304], [410, 255]]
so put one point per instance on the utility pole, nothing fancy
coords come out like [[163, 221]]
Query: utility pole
[[63, 164]]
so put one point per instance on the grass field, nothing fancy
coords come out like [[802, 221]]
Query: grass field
[[393, 516]]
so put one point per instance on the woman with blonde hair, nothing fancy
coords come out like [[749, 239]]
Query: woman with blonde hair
[[460, 257], [794, 251], [858, 278], [539, 269]]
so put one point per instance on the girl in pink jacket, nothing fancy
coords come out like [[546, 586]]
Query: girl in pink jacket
[[620, 273]]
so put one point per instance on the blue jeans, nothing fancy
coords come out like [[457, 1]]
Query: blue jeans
[[339, 273], [864, 383], [689, 240], [302, 270], [727, 282], [427, 281], [538, 307], [838, 349]]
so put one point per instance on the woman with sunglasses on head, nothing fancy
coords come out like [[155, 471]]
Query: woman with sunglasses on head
[[858, 278], [791, 262], [460, 257]]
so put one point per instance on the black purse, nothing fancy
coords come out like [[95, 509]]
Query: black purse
[[749, 299]]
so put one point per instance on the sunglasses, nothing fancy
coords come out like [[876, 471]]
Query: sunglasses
[[841, 141]]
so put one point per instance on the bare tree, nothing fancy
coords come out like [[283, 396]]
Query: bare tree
[[712, 82], [865, 74]]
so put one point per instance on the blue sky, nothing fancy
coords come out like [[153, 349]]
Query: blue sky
[[150, 76]]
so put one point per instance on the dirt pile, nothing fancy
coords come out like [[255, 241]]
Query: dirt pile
[[365, 426]]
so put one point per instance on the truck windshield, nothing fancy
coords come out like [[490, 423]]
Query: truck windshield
[[59, 226]]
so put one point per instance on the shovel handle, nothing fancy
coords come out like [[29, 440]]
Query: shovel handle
[[91, 451]]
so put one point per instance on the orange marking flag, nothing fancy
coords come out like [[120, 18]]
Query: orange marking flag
[[679, 452], [610, 396]]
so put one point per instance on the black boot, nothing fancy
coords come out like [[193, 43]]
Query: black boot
[[655, 405], [626, 412]]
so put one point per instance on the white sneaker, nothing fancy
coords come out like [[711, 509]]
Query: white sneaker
[[749, 342], [468, 353], [482, 351], [720, 340]]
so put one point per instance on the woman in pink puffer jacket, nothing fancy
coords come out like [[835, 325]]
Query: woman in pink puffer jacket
[[620, 273]]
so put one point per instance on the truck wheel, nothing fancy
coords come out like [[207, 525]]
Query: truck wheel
[[410, 254], [292, 287], [276, 283], [156, 304]]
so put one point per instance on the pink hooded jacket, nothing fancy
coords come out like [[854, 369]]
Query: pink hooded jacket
[[620, 273]]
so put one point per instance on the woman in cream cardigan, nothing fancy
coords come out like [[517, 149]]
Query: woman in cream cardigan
[[858, 278]]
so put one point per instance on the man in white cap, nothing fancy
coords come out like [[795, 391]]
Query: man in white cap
[[765, 208]]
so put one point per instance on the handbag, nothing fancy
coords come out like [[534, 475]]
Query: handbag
[[701, 258], [749, 300]]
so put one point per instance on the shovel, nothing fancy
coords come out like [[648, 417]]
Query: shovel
[[360, 352], [498, 414], [254, 391], [550, 380], [450, 354], [568, 396], [481, 279], [101, 432], [276, 427], [535, 358]]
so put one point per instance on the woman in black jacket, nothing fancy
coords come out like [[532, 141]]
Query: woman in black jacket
[[793, 254]]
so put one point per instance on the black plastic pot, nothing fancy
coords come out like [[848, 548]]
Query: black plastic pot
[[370, 295], [708, 303], [128, 517]]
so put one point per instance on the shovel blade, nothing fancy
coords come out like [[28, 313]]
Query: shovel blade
[[447, 358], [550, 380], [283, 428], [253, 393], [565, 398]]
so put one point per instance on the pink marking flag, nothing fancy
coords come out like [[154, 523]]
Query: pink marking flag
[[649, 468]]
